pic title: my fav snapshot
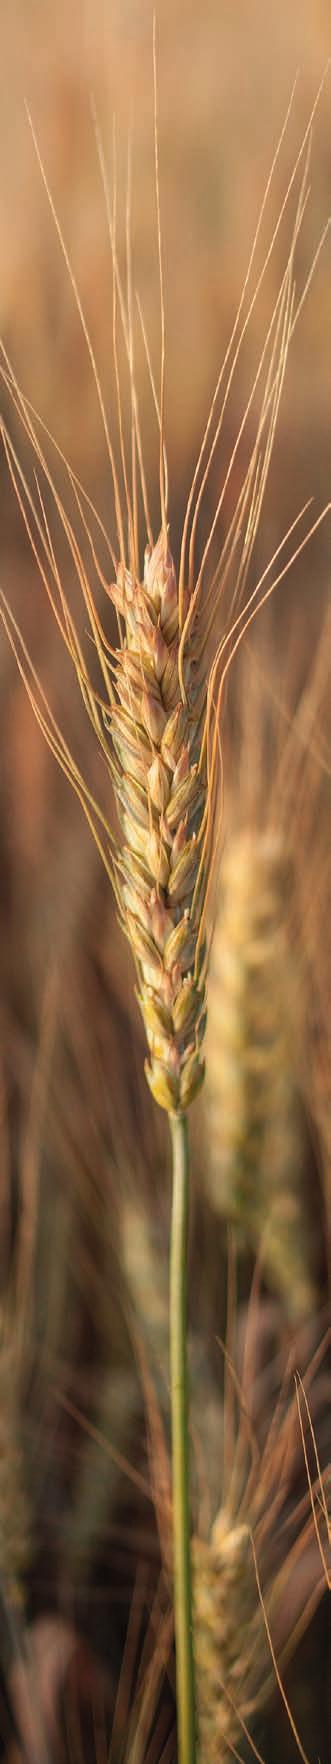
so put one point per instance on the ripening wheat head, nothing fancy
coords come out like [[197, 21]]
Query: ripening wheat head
[[157, 714], [161, 789]]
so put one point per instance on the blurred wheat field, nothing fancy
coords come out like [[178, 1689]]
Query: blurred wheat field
[[224, 95], [87, 1657]]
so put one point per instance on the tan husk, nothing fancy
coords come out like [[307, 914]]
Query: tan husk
[[161, 792]]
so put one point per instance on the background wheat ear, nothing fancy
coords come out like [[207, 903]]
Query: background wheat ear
[[257, 1138], [259, 1570]]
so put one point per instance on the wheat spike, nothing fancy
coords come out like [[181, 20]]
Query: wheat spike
[[161, 792], [233, 1662], [226, 1616], [258, 1572], [256, 1129]]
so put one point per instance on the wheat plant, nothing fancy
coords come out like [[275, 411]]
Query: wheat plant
[[157, 709]]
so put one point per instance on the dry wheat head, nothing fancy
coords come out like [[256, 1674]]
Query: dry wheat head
[[161, 792]]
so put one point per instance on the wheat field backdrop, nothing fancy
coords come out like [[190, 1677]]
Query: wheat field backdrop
[[86, 1599]]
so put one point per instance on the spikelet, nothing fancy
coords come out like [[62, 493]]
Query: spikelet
[[256, 1129], [161, 792]]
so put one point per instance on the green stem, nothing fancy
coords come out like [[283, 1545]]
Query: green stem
[[180, 1444]]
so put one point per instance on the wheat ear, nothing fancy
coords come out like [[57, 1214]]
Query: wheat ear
[[263, 1549], [256, 1134], [161, 793]]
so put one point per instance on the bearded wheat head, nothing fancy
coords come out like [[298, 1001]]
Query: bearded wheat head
[[164, 683]]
